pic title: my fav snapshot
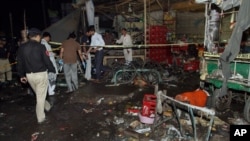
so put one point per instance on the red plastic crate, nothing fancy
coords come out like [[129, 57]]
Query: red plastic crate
[[192, 65], [148, 104]]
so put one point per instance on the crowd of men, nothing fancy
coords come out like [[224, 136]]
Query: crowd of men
[[33, 59]]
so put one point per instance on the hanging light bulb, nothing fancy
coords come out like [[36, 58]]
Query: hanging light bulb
[[129, 8]]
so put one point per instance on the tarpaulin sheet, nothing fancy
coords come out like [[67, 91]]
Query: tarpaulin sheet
[[60, 30], [233, 47]]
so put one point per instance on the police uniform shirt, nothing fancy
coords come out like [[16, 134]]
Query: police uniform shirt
[[33, 57]]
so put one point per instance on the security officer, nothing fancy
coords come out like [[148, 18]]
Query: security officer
[[5, 67], [33, 66]]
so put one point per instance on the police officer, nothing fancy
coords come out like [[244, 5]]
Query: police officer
[[5, 67], [33, 66]]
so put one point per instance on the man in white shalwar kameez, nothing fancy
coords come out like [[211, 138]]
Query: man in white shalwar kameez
[[52, 76]]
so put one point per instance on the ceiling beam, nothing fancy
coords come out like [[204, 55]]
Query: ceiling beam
[[106, 15], [121, 6], [159, 4], [187, 6], [152, 6]]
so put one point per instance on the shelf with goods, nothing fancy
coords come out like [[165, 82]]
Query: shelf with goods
[[171, 25], [134, 28], [169, 20], [156, 34]]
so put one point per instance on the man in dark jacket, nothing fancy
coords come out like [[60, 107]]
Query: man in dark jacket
[[33, 66]]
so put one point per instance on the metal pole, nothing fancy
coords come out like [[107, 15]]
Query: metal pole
[[44, 14], [145, 27], [84, 19], [11, 25], [24, 20], [206, 24]]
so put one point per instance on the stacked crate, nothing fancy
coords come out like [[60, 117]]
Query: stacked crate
[[147, 114], [148, 105], [156, 34]]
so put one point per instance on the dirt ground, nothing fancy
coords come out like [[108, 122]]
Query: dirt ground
[[99, 112]]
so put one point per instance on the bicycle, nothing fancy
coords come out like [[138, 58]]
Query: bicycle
[[124, 73]]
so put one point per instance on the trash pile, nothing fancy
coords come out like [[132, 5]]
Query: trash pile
[[143, 122]]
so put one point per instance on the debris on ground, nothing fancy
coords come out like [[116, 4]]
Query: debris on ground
[[88, 111], [34, 136], [99, 101]]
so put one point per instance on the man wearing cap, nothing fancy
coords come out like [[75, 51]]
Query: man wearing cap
[[33, 66], [5, 67]]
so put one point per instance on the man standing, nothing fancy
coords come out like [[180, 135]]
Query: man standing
[[85, 47], [108, 38], [33, 66], [5, 67], [97, 44], [126, 41], [52, 76], [69, 50]]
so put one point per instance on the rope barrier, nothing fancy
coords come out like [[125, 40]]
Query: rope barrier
[[133, 46], [117, 46]]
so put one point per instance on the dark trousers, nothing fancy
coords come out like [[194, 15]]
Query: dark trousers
[[98, 63]]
